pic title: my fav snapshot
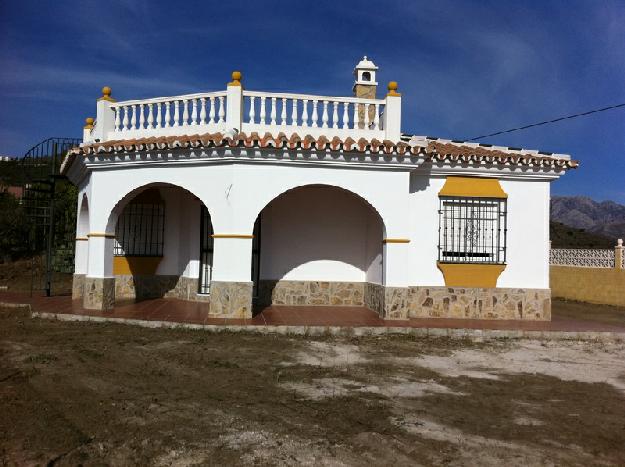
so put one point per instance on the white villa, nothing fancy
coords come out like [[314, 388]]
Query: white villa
[[242, 198]]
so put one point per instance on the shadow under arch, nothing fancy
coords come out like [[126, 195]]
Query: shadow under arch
[[176, 250], [316, 244]]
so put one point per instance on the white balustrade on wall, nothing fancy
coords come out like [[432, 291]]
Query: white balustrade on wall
[[249, 111], [312, 115], [193, 113]]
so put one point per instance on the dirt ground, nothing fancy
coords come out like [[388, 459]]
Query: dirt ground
[[85, 393], [21, 275]]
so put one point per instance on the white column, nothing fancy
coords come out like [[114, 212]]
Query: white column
[[232, 259], [396, 264], [81, 256], [234, 105], [105, 121], [100, 263], [392, 115]]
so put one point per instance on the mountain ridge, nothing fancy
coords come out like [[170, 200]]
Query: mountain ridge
[[605, 218]]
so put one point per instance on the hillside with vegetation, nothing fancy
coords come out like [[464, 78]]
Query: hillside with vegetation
[[605, 218]]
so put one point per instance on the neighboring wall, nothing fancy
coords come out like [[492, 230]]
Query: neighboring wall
[[594, 285]]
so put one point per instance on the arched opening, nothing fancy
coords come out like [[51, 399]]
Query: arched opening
[[162, 245], [317, 245]]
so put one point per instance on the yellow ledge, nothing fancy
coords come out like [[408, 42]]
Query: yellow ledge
[[232, 236], [135, 265], [471, 275], [396, 240], [475, 187]]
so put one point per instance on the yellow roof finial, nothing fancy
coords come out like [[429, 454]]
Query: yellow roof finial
[[106, 94], [89, 123], [392, 89], [236, 79]]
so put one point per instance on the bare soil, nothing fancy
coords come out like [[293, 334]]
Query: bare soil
[[85, 393]]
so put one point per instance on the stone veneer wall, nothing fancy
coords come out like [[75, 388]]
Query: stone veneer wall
[[99, 293], [374, 297], [78, 286], [467, 303], [274, 292], [231, 299], [151, 286]]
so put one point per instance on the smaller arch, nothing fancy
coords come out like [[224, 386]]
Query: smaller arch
[[82, 225]]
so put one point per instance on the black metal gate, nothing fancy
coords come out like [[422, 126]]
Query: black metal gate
[[206, 250], [49, 201]]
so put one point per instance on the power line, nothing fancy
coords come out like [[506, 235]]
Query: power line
[[582, 114]]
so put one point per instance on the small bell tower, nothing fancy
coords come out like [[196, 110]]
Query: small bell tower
[[365, 85]]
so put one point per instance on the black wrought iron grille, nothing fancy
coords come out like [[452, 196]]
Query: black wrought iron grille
[[206, 250], [140, 230], [472, 230]]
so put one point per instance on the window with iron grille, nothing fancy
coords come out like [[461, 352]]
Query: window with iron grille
[[472, 230], [140, 230]]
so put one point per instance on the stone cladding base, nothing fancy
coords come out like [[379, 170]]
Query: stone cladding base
[[99, 293], [413, 302], [234, 299], [78, 286], [467, 303], [231, 299], [152, 286], [274, 292]]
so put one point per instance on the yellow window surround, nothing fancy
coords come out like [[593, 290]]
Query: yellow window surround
[[471, 274], [472, 187]]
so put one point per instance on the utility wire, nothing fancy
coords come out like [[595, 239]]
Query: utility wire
[[550, 121]]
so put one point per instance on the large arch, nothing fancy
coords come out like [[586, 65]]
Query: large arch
[[317, 244], [154, 248]]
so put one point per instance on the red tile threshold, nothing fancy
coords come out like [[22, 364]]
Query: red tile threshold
[[180, 311]]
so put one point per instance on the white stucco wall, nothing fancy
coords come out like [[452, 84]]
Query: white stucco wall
[[320, 233], [235, 193]]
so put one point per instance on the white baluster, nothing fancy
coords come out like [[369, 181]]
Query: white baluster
[[376, 117], [158, 115], [117, 118], [141, 118], [211, 115], [150, 116], [125, 121], [203, 111], [222, 109], [335, 114], [185, 112], [294, 112], [167, 115], [133, 118], [345, 116], [355, 119], [324, 115], [305, 113], [252, 110], [283, 112], [273, 110], [194, 112], [176, 112], [262, 110], [315, 116]]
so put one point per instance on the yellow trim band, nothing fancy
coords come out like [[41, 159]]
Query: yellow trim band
[[101, 234], [81, 239], [475, 187], [396, 240], [232, 236], [471, 275]]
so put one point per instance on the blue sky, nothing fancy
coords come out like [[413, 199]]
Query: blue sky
[[464, 68]]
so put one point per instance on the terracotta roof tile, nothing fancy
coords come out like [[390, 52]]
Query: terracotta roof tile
[[433, 150]]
